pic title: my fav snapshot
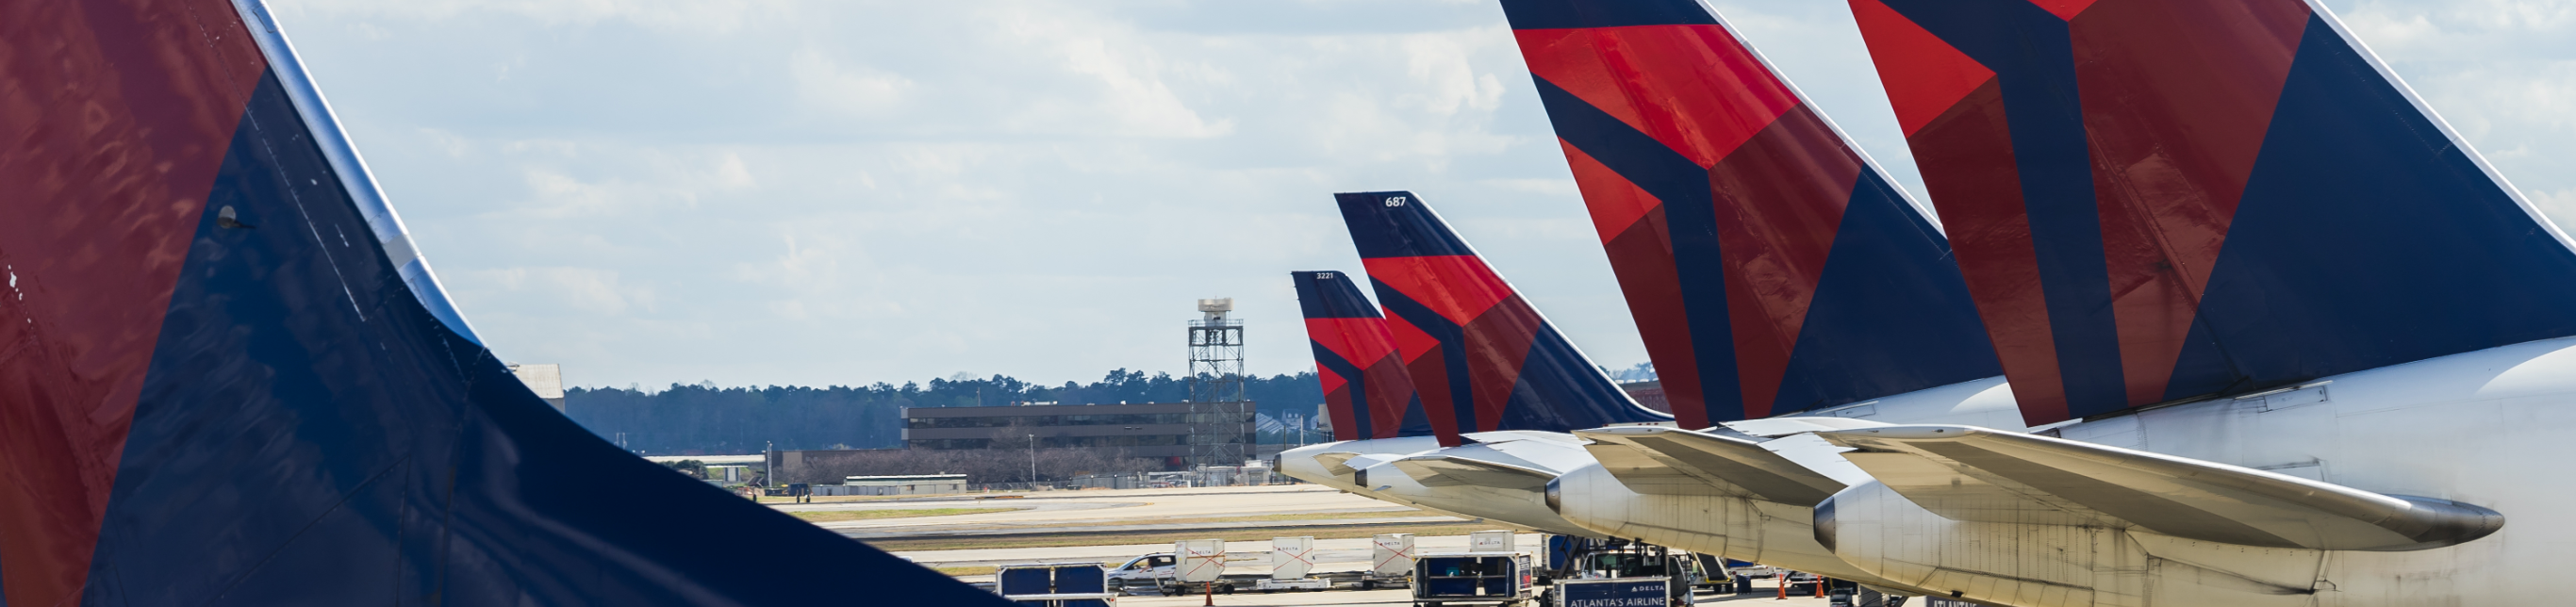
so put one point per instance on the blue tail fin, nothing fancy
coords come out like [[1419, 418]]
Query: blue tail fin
[[1770, 266], [1366, 388], [1481, 357], [229, 379], [2163, 199]]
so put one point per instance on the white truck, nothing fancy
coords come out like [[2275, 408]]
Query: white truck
[[1163, 571], [1149, 571]]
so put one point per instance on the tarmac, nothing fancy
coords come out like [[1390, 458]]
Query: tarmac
[[1351, 554], [1116, 511], [1130, 511], [1763, 596]]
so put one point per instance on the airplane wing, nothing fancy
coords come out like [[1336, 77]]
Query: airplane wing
[[1671, 461], [1449, 471], [1968, 473]]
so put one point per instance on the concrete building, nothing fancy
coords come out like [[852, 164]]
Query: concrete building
[[546, 380], [729, 475], [1158, 430], [1649, 393], [911, 484], [816, 465]]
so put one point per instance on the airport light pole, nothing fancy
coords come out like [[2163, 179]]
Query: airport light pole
[[1033, 461]]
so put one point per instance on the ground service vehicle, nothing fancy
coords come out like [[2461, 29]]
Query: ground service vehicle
[[1676, 573], [1473, 578], [1149, 571], [1611, 592]]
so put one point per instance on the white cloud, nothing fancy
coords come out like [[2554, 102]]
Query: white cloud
[[1129, 78], [2559, 204], [717, 16], [1551, 187], [858, 90], [1443, 64], [2383, 30], [587, 291], [849, 191], [2527, 15], [732, 173]]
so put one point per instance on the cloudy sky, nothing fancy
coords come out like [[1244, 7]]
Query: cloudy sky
[[852, 191]]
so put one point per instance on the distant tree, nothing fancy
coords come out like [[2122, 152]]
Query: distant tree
[[979, 465], [703, 419]]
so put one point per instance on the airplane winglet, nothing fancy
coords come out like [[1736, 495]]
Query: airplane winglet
[[1968, 473], [1451, 471], [1672, 461]]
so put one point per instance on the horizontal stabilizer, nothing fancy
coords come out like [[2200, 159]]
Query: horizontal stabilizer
[[1337, 463], [1784, 426], [1670, 461], [1976, 474], [1448, 471]]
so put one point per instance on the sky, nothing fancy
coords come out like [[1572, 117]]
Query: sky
[[845, 192]]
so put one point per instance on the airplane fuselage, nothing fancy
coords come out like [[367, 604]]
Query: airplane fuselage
[[2488, 428]]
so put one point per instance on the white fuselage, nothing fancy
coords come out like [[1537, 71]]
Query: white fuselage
[[2494, 428], [1773, 533]]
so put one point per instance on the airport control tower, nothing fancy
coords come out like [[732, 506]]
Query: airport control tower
[[1217, 400]]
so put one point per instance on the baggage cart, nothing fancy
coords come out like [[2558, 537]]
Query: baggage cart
[[1390, 562], [1472, 578], [1291, 558], [1054, 585]]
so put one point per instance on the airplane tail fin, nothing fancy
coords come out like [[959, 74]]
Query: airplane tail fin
[[1771, 267], [231, 380], [1480, 355], [1366, 387], [2298, 213]]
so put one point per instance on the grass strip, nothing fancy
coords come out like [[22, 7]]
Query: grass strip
[[965, 570], [830, 516]]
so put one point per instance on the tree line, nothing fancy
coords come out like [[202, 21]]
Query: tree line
[[704, 419]]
